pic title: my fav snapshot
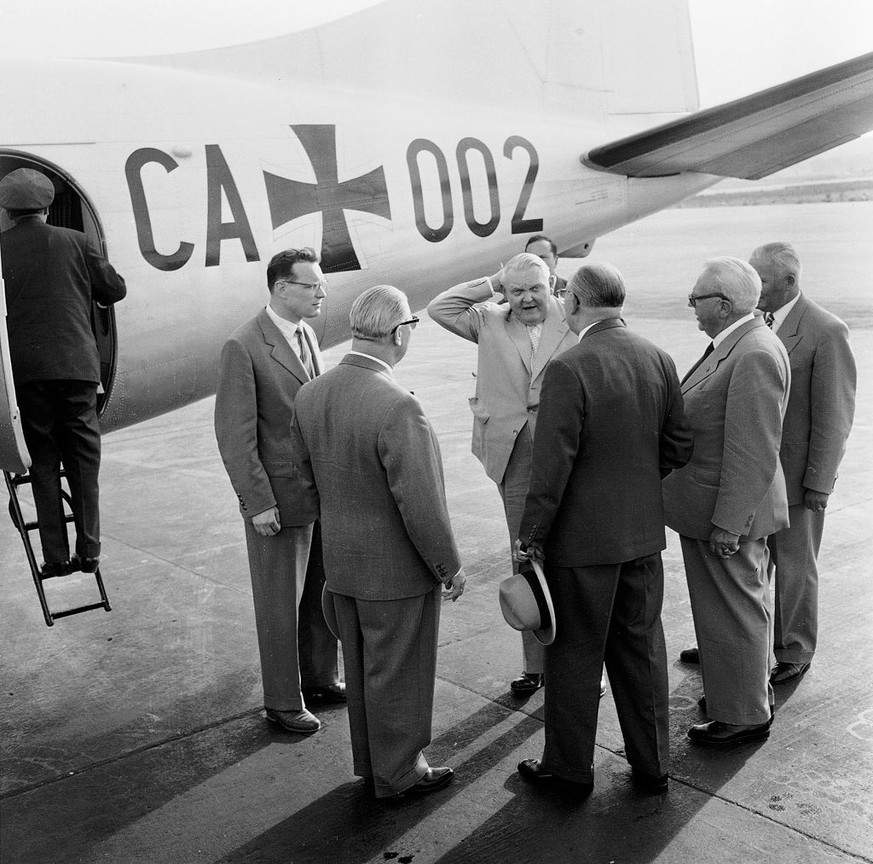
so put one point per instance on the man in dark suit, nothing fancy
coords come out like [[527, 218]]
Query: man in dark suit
[[263, 365], [516, 341], [388, 545], [545, 248], [611, 425], [729, 498], [52, 276], [817, 423]]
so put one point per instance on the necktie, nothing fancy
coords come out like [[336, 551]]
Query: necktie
[[533, 333], [769, 318], [305, 356], [709, 349]]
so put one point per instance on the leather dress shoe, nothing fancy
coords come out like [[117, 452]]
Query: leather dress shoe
[[55, 568], [85, 564], [294, 721], [433, 780], [784, 672], [328, 693], [690, 655], [649, 783], [718, 734], [527, 683], [532, 771]]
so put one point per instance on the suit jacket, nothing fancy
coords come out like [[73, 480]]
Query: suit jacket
[[735, 401], [259, 375], [508, 382], [611, 425], [52, 275], [822, 403], [365, 443]]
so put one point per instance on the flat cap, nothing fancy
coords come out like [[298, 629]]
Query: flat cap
[[26, 189]]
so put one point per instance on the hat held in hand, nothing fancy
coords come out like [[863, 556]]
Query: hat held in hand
[[527, 604]]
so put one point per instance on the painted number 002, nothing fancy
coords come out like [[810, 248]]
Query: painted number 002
[[520, 224]]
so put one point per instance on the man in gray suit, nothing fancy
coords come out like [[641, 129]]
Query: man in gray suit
[[516, 341], [729, 498], [388, 545], [817, 424], [263, 365]]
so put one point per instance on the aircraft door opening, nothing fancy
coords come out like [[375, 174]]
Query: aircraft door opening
[[72, 209]]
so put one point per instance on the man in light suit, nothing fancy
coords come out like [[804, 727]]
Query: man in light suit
[[817, 424], [730, 497], [516, 341], [263, 365], [388, 550]]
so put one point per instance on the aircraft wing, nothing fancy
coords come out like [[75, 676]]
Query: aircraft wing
[[756, 135]]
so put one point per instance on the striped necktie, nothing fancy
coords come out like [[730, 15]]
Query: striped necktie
[[769, 318], [305, 354]]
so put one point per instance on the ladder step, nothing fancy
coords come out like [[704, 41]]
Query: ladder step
[[78, 609]]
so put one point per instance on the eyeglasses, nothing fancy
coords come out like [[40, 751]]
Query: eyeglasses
[[561, 293], [693, 300], [309, 286], [411, 322]]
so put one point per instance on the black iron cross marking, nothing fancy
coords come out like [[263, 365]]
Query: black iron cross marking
[[290, 199]]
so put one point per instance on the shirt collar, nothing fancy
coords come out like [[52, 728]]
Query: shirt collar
[[717, 340], [288, 328], [374, 359], [781, 314]]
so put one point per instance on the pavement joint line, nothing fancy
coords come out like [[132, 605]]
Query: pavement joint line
[[137, 751]]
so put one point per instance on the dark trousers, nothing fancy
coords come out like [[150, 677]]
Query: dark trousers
[[611, 613], [389, 652], [59, 420]]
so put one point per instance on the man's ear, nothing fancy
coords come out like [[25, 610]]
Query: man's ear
[[398, 339]]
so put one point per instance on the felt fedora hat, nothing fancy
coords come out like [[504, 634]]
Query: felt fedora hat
[[26, 189], [329, 612], [527, 604]]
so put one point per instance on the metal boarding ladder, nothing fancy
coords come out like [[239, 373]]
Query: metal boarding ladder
[[13, 481]]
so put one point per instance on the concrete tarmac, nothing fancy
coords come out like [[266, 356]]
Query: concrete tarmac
[[138, 735]]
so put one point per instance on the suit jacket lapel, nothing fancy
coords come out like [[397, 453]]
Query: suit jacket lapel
[[554, 331], [281, 351], [705, 369], [788, 332], [517, 333]]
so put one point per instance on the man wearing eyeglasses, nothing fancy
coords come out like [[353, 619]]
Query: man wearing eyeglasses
[[389, 550], [729, 497], [263, 365], [516, 341]]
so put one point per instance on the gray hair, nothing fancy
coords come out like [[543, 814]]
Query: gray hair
[[734, 278], [375, 312], [526, 261], [782, 255], [598, 285]]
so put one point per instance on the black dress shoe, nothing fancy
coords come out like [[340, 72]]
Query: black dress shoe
[[690, 655], [532, 771], [55, 568], [649, 783], [433, 780], [784, 672], [86, 564], [527, 683], [328, 693], [718, 734]]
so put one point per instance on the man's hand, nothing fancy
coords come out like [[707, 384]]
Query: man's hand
[[723, 543], [267, 523], [496, 283], [815, 501], [534, 552], [455, 585]]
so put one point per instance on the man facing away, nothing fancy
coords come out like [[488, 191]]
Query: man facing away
[[611, 426], [729, 498], [263, 365], [817, 424], [388, 545], [516, 341], [52, 275]]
